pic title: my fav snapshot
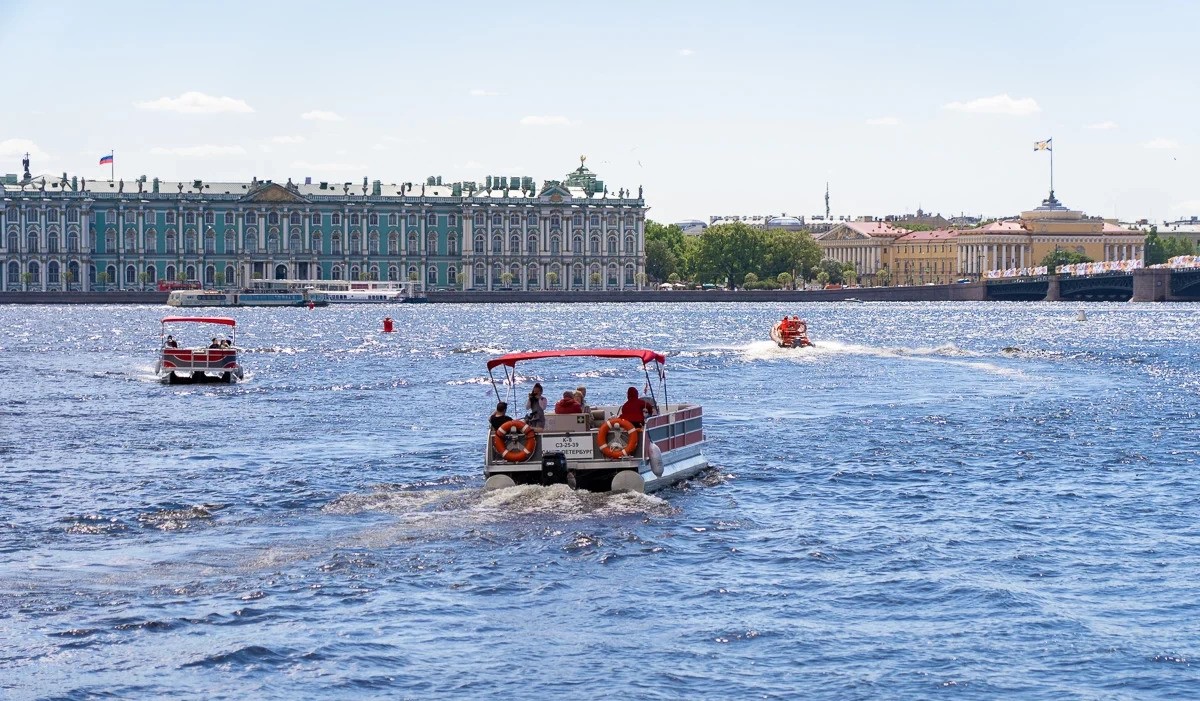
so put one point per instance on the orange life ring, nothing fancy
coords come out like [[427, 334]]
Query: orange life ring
[[510, 429], [612, 452], [801, 327]]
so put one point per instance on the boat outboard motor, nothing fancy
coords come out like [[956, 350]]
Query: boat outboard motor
[[554, 468]]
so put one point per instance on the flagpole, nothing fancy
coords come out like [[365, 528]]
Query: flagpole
[[1052, 168], [112, 165]]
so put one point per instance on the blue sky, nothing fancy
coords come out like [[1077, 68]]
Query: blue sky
[[716, 108]]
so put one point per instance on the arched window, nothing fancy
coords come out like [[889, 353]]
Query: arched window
[[533, 219], [452, 244], [497, 220], [373, 243], [336, 242], [151, 273], [479, 219], [612, 220], [189, 243], [554, 222], [73, 243], [173, 243], [413, 274], [14, 242], [452, 220], [411, 221], [412, 242], [393, 273], [496, 243], [72, 216], [531, 275], [273, 243], [478, 243], [52, 276], [373, 274], [373, 219], [514, 220], [210, 275], [316, 242], [355, 244], [612, 275], [335, 219], [577, 275], [431, 276], [612, 245], [577, 220], [393, 219], [554, 246], [189, 217], [251, 243], [595, 244], [480, 274], [431, 244], [272, 219], [230, 275], [316, 219], [354, 219], [531, 245], [577, 244], [130, 240], [14, 274], [393, 244], [210, 241], [629, 245], [514, 244], [497, 275], [52, 242], [294, 242], [354, 273], [170, 218], [452, 276], [595, 220], [431, 219], [168, 274]]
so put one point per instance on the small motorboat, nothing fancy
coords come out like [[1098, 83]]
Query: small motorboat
[[213, 363], [598, 449], [791, 332]]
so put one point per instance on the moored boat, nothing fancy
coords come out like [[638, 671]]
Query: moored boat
[[247, 298], [791, 332], [217, 362], [602, 448]]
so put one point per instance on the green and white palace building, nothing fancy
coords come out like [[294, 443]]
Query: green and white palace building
[[74, 234]]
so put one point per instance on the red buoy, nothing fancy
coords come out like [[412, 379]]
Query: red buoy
[[387, 324]]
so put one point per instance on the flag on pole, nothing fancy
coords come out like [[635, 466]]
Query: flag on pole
[[1046, 145], [106, 160]]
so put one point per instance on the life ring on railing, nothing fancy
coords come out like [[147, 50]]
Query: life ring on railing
[[614, 451], [513, 429], [800, 327]]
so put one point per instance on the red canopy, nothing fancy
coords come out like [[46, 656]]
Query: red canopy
[[201, 319], [642, 354]]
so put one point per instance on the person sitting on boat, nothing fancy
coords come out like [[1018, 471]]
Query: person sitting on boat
[[214, 343], [536, 417], [568, 404], [634, 409], [500, 416], [171, 342]]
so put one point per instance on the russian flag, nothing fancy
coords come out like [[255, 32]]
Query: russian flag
[[105, 160]]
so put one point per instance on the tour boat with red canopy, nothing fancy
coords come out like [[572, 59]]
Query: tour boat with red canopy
[[603, 447], [214, 361]]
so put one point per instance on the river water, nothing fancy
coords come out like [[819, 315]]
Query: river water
[[941, 500]]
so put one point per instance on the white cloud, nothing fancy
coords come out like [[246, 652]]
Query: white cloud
[[997, 104], [1160, 143], [195, 103], [544, 120], [1107, 124], [883, 121], [1190, 206], [686, 52], [203, 151], [480, 92], [287, 139], [308, 166], [17, 148], [322, 116]]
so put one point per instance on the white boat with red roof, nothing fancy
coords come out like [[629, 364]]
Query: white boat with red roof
[[216, 361], [604, 447]]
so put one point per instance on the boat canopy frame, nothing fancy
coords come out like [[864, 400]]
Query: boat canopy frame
[[222, 320], [509, 363]]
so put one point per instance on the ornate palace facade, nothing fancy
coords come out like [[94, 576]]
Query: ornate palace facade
[[60, 234]]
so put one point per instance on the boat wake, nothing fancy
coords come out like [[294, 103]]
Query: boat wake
[[948, 354]]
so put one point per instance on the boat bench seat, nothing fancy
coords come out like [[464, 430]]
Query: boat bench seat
[[561, 423]]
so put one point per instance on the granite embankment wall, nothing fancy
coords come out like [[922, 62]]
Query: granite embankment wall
[[924, 293]]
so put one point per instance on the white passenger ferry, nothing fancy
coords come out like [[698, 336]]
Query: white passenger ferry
[[356, 291], [249, 297], [606, 448]]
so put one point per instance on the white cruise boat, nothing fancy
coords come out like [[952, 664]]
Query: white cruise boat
[[604, 448], [247, 298]]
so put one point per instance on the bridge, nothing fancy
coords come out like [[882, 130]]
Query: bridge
[[1142, 285]]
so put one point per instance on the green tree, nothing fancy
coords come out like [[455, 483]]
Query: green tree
[[784, 279], [884, 276], [552, 278], [1059, 257], [1177, 246], [641, 279], [26, 278], [219, 278], [102, 278], [832, 269], [673, 278], [749, 280], [181, 276], [849, 274], [506, 278], [143, 278], [822, 277], [792, 252], [664, 249], [595, 278], [729, 251], [1156, 250], [67, 278]]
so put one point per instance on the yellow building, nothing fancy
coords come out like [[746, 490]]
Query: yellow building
[[1025, 241], [924, 257], [864, 244]]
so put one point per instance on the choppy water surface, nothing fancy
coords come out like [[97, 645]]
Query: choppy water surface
[[939, 501]]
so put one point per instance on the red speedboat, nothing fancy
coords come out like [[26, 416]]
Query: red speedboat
[[791, 332]]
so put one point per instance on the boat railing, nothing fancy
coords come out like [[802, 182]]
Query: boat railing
[[680, 425], [200, 358]]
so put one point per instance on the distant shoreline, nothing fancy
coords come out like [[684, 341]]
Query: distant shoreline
[[924, 293]]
